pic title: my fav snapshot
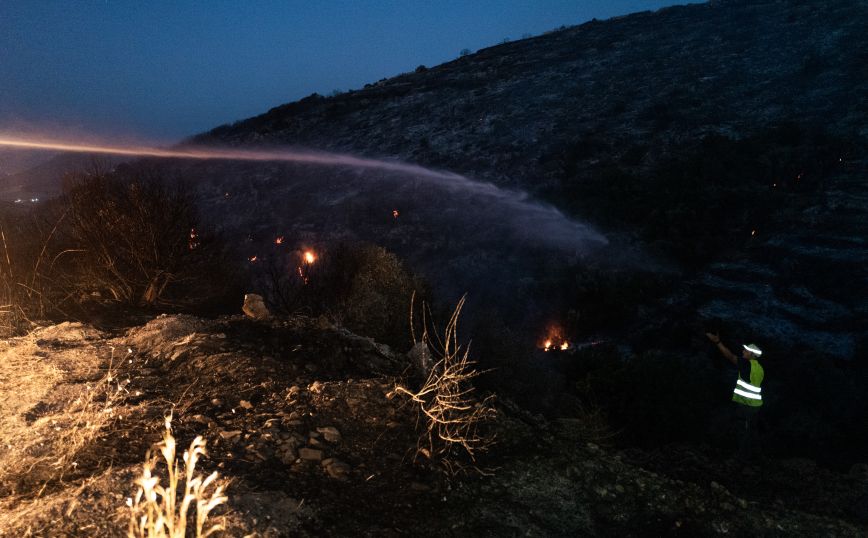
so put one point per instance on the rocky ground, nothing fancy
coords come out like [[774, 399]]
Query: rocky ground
[[300, 423]]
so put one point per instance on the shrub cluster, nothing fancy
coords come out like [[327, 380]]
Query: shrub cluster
[[130, 238], [362, 286]]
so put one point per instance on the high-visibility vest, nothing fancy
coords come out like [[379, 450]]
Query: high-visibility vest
[[749, 392]]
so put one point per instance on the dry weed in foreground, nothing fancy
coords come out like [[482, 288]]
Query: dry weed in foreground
[[453, 416], [156, 511]]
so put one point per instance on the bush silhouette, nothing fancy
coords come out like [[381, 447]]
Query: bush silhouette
[[362, 286], [138, 239]]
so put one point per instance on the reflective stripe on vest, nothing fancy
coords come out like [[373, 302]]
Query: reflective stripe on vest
[[743, 388], [749, 392]]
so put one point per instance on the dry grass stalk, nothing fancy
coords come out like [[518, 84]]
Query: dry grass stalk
[[41, 454], [158, 511], [453, 416]]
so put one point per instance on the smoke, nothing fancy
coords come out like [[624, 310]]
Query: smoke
[[529, 220]]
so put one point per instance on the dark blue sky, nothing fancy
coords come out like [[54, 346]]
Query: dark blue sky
[[164, 70]]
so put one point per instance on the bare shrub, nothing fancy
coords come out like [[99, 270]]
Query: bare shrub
[[139, 238], [161, 511], [452, 418]]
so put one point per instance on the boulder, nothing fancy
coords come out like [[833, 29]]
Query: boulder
[[254, 307]]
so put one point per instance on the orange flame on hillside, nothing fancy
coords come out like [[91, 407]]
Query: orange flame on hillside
[[555, 340]]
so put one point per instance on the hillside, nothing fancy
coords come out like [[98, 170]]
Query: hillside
[[530, 112], [626, 186], [708, 135], [720, 148], [297, 417]]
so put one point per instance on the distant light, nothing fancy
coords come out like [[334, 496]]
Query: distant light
[[18, 201], [34, 200]]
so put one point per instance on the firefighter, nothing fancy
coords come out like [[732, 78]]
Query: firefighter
[[747, 393]]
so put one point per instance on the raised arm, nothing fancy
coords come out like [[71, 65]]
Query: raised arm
[[729, 355]]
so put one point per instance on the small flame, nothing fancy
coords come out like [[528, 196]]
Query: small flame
[[555, 340], [278, 240], [253, 259], [395, 213], [309, 257]]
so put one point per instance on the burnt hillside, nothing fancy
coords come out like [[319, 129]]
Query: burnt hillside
[[540, 111]]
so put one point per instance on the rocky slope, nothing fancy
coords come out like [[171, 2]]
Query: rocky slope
[[516, 113], [297, 417], [554, 113]]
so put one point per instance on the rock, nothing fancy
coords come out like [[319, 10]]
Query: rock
[[421, 359], [310, 454], [245, 404], [315, 387], [254, 307], [859, 470], [330, 434], [227, 435], [287, 454], [336, 468]]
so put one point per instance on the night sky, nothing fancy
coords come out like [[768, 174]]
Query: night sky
[[164, 70]]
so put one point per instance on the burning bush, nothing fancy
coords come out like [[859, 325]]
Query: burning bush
[[363, 287]]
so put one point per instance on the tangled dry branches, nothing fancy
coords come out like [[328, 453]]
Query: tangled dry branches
[[454, 418]]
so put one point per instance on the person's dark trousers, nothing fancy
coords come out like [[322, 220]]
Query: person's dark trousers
[[749, 441]]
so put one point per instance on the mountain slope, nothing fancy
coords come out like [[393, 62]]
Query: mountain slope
[[515, 112]]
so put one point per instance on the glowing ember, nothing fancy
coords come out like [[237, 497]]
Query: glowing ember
[[278, 240], [395, 213], [194, 239], [309, 257], [253, 259]]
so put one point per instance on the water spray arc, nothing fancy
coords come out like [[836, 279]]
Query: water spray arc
[[543, 223]]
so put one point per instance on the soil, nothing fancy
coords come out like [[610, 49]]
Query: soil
[[301, 424]]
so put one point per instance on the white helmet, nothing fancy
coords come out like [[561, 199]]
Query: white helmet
[[753, 348]]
